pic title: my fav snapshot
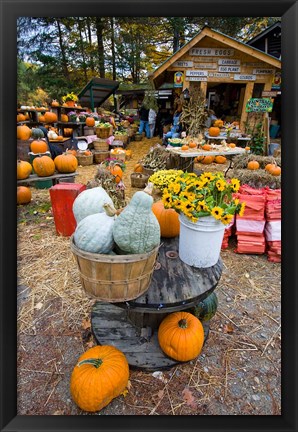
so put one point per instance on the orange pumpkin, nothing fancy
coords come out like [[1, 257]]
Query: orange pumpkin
[[253, 165], [116, 171], [181, 336], [168, 220], [218, 123], [192, 145], [38, 146], [23, 132], [24, 169], [220, 159], [41, 119], [269, 166], [72, 151], [207, 160], [66, 163], [275, 170], [59, 138], [138, 168], [55, 103], [43, 166], [214, 131], [199, 158], [24, 195], [50, 117], [247, 148], [184, 147], [100, 375], [64, 117], [21, 117], [67, 132], [232, 145], [90, 121], [206, 147]]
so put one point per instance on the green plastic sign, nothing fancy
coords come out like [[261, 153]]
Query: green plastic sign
[[259, 105]]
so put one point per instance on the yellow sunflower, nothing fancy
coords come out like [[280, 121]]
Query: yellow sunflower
[[220, 184], [235, 184], [167, 200], [241, 212], [226, 219], [217, 212]]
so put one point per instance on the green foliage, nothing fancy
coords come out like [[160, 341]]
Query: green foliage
[[258, 140]]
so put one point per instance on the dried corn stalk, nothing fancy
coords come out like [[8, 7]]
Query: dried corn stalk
[[106, 180], [193, 116]]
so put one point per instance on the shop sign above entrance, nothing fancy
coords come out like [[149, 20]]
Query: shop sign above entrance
[[218, 75], [216, 52], [194, 78], [259, 105], [206, 65], [229, 69], [228, 62], [269, 93], [263, 71], [183, 64], [196, 73], [239, 77]]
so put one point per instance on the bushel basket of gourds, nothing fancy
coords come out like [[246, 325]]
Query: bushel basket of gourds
[[115, 250], [85, 158]]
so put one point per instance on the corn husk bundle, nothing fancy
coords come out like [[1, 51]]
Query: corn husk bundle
[[156, 159]]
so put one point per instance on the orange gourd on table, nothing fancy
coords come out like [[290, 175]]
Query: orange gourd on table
[[21, 117], [38, 146], [23, 132], [232, 145], [24, 169], [168, 220], [50, 117], [218, 123], [206, 147], [90, 121], [192, 145], [64, 117], [55, 103], [184, 147], [43, 166], [66, 163], [214, 131], [138, 168], [100, 375], [181, 336], [24, 195]]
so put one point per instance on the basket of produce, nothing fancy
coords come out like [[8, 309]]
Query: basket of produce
[[100, 156], [175, 142], [121, 136], [85, 158], [139, 180], [118, 154], [100, 144], [105, 130]]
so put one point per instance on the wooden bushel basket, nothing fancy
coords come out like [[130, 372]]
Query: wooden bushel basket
[[100, 156], [85, 160], [139, 180], [100, 144], [104, 132], [114, 278]]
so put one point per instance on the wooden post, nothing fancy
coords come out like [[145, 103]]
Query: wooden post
[[247, 95], [204, 88], [266, 133]]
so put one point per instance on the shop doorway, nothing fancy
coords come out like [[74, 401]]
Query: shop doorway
[[226, 100]]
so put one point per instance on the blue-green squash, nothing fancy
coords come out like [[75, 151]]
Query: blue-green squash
[[206, 309], [37, 133], [136, 230], [89, 202]]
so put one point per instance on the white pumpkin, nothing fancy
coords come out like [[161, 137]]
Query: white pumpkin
[[52, 135], [95, 233], [89, 202]]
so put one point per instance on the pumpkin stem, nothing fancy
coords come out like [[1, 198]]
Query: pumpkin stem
[[109, 209], [149, 188], [94, 362], [182, 323]]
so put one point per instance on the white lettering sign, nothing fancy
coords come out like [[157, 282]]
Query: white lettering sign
[[263, 71], [218, 75], [183, 64], [228, 62], [194, 78], [229, 68], [206, 65], [244, 77], [259, 65], [196, 73], [216, 52]]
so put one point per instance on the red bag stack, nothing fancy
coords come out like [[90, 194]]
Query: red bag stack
[[229, 230], [273, 225], [250, 226]]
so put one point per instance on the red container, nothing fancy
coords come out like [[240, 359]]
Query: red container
[[62, 197]]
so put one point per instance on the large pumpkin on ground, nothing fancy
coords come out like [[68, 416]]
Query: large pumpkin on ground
[[24, 169], [66, 163], [168, 220], [23, 132], [214, 131], [23, 195], [100, 375], [181, 336], [43, 166], [50, 117], [38, 146]]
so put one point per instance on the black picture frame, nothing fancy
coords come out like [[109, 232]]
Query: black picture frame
[[10, 10]]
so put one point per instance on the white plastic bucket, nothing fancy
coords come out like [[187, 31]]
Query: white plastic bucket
[[200, 242]]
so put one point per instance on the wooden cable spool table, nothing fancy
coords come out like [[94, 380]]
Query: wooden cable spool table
[[132, 326]]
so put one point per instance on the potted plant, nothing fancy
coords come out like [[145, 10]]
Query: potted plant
[[206, 204], [70, 99]]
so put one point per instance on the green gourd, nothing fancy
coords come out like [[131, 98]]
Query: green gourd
[[94, 233], [207, 308], [37, 133], [89, 202], [136, 230]]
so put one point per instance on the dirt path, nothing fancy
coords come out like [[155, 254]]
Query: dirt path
[[237, 373]]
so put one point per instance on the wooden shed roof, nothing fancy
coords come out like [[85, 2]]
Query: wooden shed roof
[[219, 37]]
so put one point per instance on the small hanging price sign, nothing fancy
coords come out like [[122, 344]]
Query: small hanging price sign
[[259, 105]]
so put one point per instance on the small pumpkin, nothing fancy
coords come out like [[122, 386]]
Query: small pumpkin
[[192, 144], [207, 160], [218, 123], [90, 201], [41, 119], [116, 171], [136, 230], [253, 165], [100, 375], [184, 147], [59, 137], [214, 131], [71, 151], [23, 132], [199, 158], [43, 166], [138, 168], [247, 148], [232, 145], [220, 159], [67, 132], [66, 163], [206, 147], [21, 118], [24, 195], [38, 146], [64, 117], [90, 121], [269, 166], [50, 117], [275, 170], [181, 336], [55, 103], [168, 220], [24, 169]]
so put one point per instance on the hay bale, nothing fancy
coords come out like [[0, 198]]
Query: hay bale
[[257, 179], [241, 161]]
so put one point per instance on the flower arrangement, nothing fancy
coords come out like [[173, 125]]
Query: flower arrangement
[[228, 129], [110, 161], [207, 195], [70, 97], [162, 178]]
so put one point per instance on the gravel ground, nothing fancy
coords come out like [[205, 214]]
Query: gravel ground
[[237, 373]]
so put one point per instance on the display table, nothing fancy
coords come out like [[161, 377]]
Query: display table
[[187, 157], [55, 177], [132, 326], [239, 140]]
